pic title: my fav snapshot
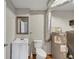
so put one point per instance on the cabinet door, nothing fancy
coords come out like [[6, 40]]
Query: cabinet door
[[19, 51]]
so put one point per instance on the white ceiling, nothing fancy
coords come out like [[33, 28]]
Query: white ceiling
[[65, 7], [32, 4]]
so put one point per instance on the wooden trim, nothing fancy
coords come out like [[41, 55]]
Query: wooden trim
[[29, 57], [20, 24], [49, 56], [34, 56]]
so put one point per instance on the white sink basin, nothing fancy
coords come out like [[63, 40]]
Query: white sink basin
[[18, 40]]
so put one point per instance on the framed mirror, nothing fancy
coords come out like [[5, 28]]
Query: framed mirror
[[22, 24]]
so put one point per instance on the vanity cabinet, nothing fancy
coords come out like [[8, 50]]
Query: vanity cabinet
[[20, 49]]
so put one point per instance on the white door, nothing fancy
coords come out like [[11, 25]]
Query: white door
[[37, 27]]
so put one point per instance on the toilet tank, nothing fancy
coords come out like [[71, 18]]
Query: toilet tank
[[38, 43]]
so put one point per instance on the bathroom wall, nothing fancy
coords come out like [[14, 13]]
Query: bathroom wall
[[37, 28], [10, 25], [10, 29], [61, 19], [36, 23], [58, 19]]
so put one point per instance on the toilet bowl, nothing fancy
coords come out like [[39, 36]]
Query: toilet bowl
[[41, 54]]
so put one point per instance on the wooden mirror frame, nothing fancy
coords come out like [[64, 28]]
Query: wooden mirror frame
[[20, 25]]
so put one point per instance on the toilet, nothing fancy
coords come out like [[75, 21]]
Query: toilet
[[41, 54]]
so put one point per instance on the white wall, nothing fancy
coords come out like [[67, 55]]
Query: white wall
[[10, 25], [61, 19], [10, 30], [58, 19], [36, 26], [36, 23]]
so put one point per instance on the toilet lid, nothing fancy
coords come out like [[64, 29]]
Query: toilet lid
[[41, 52]]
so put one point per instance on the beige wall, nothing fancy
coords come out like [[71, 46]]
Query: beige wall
[[10, 30], [61, 19], [36, 26], [10, 25], [58, 19]]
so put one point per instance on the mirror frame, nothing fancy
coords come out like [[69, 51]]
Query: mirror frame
[[20, 25]]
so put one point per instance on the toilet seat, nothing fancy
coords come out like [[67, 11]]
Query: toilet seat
[[41, 52]]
